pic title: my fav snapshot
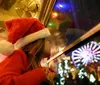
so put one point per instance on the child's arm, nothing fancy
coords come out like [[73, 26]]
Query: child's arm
[[12, 71]]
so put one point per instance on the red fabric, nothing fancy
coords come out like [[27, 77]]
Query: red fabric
[[12, 71], [20, 27]]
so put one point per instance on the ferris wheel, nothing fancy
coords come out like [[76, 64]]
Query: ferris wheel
[[88, 53]]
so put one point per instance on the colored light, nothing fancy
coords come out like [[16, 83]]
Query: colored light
[[60, 5], [63, 6], [50, 24], [54, 14], [86, 54]]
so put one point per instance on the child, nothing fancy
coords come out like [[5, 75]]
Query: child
[[26, 47]]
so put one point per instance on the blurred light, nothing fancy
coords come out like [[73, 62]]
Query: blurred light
[[67, 58], [63, 6], [71, 62], [54, 14], [66, 65], [82, 73], [88, 53], [50, 24], [65, 71], [92, 78], [57, 83], [72, 69], [60, 5], [62, 81]]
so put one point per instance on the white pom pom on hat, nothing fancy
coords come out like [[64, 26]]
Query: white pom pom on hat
[[6, 48]]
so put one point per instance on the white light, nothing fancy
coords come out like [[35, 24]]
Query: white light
[[88, 53], [57, 83], [62, 81], [92, 78], [72, 69], [60, 5], [66, 64], [60, 70]]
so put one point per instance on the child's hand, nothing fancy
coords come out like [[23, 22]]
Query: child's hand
[[50, 75]]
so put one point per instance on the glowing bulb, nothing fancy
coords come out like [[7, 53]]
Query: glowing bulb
[[50, 24], [54, 14], [92, 78], [63, 6], [60, 5]]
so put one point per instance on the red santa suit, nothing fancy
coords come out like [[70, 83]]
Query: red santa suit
[[12, 68]]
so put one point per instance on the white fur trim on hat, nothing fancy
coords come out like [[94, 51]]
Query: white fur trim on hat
[[32, 37], [6, 48]]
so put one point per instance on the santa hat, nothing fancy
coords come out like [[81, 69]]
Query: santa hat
[[22, 31]]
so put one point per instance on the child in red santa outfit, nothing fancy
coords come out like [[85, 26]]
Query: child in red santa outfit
[[25, 48]]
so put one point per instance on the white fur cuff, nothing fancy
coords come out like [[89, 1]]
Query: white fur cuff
[[32, 37]]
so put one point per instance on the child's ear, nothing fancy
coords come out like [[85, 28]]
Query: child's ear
[[6, 48]]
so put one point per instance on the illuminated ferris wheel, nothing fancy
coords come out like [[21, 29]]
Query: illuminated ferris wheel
[[88, 53]]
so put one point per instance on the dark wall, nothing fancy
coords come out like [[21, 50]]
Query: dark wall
[[86, 13]]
